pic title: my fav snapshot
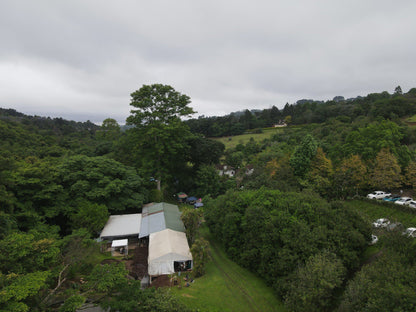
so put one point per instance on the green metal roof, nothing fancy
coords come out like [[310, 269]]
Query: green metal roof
[[161, 216], [173, 218]]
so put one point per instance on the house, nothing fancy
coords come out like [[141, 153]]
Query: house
[[226, 170]]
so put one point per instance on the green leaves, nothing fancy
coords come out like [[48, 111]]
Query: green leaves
[[28, 253], [157, 104], [300, 160], [102, 181], [313, 284], [272, 232], [106, 278], [160, 137], [17, 288]]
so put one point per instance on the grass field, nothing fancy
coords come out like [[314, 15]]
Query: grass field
[[233, 141], [227, 287], [371, 210], [411, 119]]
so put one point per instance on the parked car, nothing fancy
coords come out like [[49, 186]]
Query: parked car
[[412, 204], [374, 239], [392, 198], [395, 226], [403, 201], [411, 232], [378, 195], [381, 223]]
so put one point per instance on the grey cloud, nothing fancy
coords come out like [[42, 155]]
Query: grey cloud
[[84, 57]]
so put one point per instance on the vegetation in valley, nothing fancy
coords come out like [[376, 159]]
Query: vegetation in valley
[[289, 211]]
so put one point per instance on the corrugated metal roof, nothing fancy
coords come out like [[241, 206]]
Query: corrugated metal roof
[[173, 218], [122, 225], [152, 223], [159, 217]]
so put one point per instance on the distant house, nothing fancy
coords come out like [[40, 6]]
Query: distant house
[[249, 170], [280, 124], [226, 170]]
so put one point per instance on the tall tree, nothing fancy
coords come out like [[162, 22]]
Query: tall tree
[[386, 174], [159, 132], [410, 175], [351, 175], [320, 175], [301, 157]]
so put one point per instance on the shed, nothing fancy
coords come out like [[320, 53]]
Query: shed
[[120, 247], [168, 252], [122, 226]]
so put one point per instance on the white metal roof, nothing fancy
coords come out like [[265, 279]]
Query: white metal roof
[[165, 247], [152, 223], [122, 225], [120, 243]]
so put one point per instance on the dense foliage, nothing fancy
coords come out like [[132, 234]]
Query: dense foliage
[[273, 233], [385, 105], [278, 215]]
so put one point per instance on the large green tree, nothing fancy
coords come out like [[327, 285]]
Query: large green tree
[[386, 173], [159, 134], [301, 157]]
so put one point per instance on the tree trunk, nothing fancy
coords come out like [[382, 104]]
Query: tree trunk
[[158, 184]]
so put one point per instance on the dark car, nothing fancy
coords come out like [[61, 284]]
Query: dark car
[[392, 198]]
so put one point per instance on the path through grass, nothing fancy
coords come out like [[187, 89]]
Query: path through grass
[[228, 287]]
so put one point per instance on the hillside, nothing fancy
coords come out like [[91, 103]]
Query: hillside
[[287, 216]]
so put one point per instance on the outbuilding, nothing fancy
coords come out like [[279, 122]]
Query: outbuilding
[[122, 227], [168, 253]]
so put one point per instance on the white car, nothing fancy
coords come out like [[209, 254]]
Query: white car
[[411, 232], [412, 204], [378, 195], [374, 239], [403, 201], [381, 223]]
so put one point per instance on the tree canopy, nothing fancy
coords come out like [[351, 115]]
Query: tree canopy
[[160, 137]]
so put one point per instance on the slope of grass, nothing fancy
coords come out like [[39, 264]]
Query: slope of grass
[[411, 119], [371, 210], [233, 141], [227, 287]]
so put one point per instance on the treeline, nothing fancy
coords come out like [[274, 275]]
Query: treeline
[[301, 246], [59, 182], [311, 251], [337, 159], [389, 106]]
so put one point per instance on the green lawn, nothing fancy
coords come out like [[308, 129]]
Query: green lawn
[[372, 209], [233, 141], [411, 119], [227, 287]]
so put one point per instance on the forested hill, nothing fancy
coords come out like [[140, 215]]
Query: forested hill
[[56, 125], [388, 106]]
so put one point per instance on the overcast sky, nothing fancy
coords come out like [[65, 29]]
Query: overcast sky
[[81, 59]]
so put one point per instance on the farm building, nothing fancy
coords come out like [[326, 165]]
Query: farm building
[[122, 226], [168, 253], [159, 227]]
